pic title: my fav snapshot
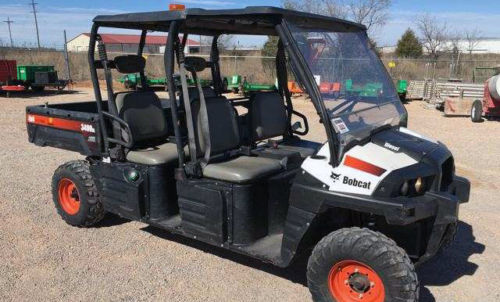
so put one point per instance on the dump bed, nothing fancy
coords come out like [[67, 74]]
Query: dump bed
[[69, 126]]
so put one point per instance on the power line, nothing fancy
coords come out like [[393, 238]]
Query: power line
[[9, 22], [33, 5]]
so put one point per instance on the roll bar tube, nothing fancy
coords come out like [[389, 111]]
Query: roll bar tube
[[307, 78], [169, 69], [95, 84], [140, 51]]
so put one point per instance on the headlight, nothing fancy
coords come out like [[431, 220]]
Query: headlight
[[419, 185]]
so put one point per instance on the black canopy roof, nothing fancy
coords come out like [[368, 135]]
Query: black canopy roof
[[255, 20]]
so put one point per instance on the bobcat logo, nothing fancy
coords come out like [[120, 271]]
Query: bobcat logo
[[335, 177]]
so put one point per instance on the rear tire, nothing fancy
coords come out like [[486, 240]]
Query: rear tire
[[476, 113], [354, 264], [75, 194]]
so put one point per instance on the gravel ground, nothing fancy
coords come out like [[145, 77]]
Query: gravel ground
[[47, 260]]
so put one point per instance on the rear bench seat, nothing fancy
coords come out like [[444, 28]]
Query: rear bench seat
[[268, 119], [225, 137], [143, 112]]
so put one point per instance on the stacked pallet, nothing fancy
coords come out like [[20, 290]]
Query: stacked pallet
[[416, 90], [462, 90]]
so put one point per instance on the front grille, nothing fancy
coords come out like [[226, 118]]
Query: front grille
[[447, 171]]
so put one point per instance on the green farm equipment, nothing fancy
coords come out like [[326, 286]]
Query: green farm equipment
[[402, 88], [39, 76], [232, 83], [131, 81], [249, 88], [367, 90], [36, 77], [239, 84]]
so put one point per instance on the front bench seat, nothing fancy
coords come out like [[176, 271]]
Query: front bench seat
[[268, 119], [225, 137], [143, 112], [242, 169]]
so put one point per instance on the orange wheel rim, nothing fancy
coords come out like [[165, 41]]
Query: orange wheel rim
[[353, 281], [69, 198]]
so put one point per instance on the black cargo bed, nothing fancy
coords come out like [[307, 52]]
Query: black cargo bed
[[69, 126]]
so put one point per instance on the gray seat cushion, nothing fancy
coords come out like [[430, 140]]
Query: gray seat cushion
[[162, 154], [242, 169]]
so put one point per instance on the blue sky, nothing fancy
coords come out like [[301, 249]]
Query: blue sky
[[75, 16]]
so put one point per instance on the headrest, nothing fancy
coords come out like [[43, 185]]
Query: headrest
[[195, 64], [130, 63]]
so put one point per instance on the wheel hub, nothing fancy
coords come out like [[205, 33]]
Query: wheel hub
[[69, 198], [359, 283], [353, 281]]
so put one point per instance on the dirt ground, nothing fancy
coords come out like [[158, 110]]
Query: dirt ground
[[45, 259]]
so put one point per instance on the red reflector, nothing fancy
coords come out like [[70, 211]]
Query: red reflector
[[363, 166], [54, 122], [174, 6]]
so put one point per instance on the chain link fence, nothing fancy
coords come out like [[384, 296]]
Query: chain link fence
[[259, 69], [468, 71]]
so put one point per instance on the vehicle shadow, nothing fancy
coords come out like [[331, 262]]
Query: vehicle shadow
[[32, 94], [111, 220], [451, 264], [443, 270], [295, 273]]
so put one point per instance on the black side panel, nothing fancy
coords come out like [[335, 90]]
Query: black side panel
[[119, 196], [85, 144], [58, 127], [202, 209], [297, 224], [162, 192], [279, 188], [249, 214]]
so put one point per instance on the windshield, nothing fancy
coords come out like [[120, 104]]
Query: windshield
[[357, 91]]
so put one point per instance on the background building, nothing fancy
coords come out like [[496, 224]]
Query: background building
[[128, 43]]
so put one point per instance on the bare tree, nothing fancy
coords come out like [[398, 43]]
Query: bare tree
[[454, 42], [472, 38], [434, 34], [371, 13]]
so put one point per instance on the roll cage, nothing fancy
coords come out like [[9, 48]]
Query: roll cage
[[251, 21]]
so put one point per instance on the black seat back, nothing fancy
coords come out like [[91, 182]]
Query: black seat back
[[224, 132], [143, 112], [268, 117]]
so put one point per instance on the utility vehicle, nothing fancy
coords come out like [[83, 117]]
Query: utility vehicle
[[372, 201]]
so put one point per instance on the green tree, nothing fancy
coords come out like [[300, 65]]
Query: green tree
[[409, 46], [269, 51]]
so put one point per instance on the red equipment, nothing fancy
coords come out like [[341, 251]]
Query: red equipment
[[329, 88], [8, 71], [491, 105]]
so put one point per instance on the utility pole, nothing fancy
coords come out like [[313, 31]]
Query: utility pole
[[9, 22], [66, 57], [33, 5]]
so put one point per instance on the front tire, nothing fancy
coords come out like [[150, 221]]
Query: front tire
[[75, 194], [354, 264]]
